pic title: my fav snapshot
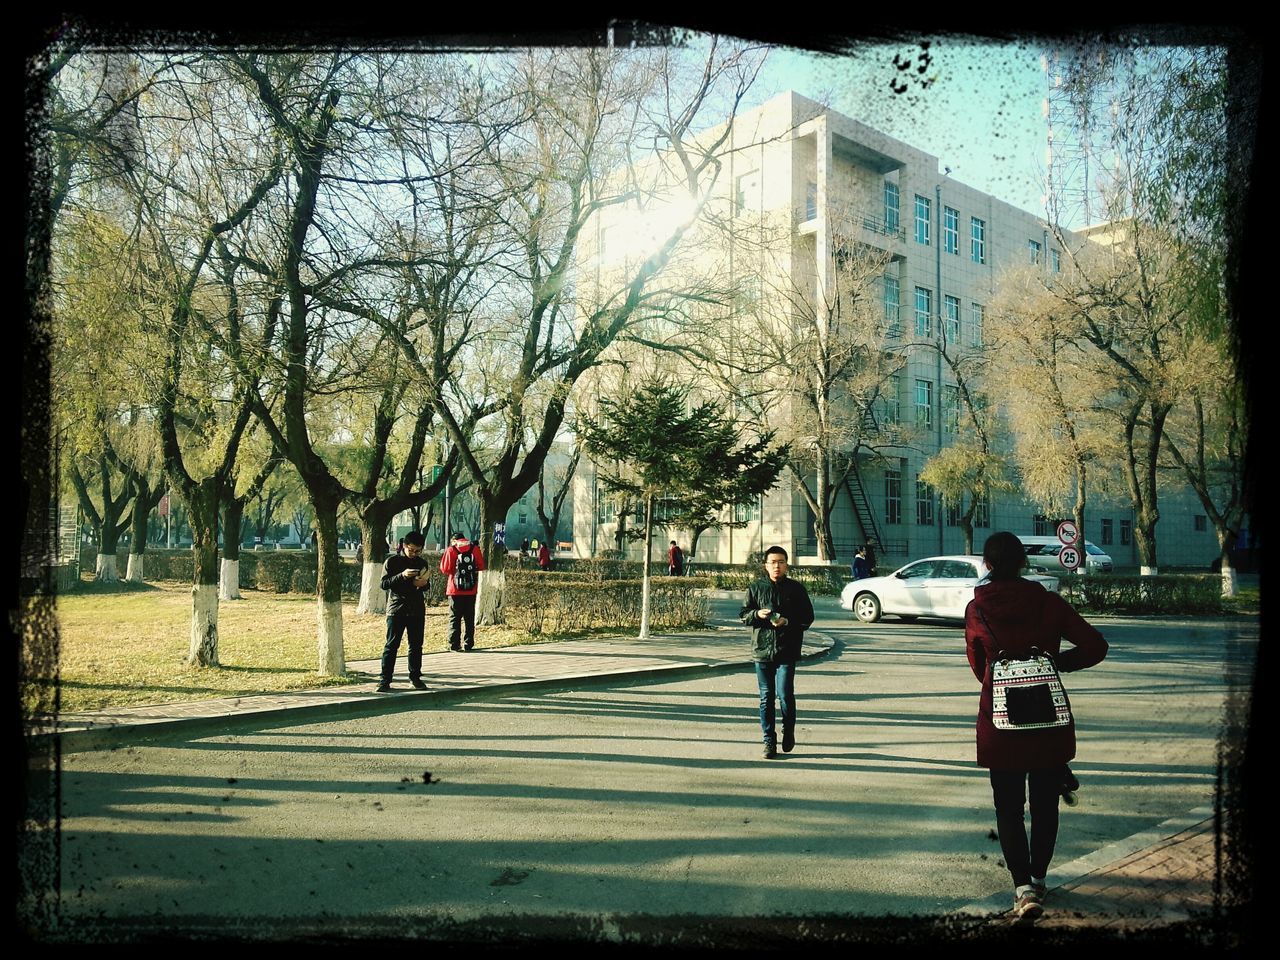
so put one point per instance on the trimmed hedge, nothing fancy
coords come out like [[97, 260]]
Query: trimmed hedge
[[818, 580], [543, 603], [1153, 595]]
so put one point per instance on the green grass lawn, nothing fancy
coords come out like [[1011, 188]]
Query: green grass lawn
[[123, 645]]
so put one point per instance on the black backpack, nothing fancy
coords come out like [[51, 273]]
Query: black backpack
[[464, 570]]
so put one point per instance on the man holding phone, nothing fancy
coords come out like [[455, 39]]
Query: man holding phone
[[404, 578], [778, 610]]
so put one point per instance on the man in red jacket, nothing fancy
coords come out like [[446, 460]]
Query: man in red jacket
[[462, 563]]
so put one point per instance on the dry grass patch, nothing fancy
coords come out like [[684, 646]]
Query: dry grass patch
[[127, 645]]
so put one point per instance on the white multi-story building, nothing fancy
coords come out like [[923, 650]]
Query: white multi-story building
[[827, 177]]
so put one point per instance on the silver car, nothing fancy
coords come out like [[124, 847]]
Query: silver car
[[934, 587]]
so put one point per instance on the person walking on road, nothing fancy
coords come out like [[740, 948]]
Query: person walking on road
[[778, 610], [1007, 617], [544, 557], [404, 577], [462, 562]]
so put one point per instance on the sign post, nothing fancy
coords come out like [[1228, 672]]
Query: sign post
[[1072, 553]]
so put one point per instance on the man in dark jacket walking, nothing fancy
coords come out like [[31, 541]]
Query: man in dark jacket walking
[[778, 610], [404, 578]]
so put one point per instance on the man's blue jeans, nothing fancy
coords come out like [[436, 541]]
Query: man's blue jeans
[[777, 682]]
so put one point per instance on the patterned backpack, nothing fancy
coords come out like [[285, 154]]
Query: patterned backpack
[[464, 571]]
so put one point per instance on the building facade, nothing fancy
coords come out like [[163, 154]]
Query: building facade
[[943, 245]]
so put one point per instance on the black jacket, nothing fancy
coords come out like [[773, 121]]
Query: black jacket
[[403, 598], [786, 597]]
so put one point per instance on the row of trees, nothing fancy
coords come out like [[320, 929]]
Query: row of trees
[[357, 268]]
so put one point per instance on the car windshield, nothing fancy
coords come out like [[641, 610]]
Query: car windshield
[[1091, 549]]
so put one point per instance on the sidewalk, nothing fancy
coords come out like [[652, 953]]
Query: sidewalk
[[448, 676], [1148, 882]]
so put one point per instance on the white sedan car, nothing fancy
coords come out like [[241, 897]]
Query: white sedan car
[[936, 587]]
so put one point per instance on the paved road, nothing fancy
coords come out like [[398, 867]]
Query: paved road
[[620, 799]]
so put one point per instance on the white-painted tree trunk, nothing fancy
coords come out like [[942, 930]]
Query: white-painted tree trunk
[[330, 639], [1148, 571], [106, 570], [135, 572], [204, 625], [373, 599], [1230, 582], [493, 583], [229, 580]]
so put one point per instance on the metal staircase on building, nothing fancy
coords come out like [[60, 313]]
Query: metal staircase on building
[[862, 506]]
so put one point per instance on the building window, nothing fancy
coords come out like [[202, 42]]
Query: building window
[[977, 316], [746, 512], [950, 230], [1033, 251], [1126, 532], [951, 317], [924, 312], [951, 408], [978, 239], [955, 510], [892, 305], [892, 213], [1202, 523], [893, 496], [889, 394], [1106, 533], [924, 504], [924, 403], [982, 514], [1040, 525], [746, 192], [1055, 260], [606, 510], [922, 219], [811, 201]]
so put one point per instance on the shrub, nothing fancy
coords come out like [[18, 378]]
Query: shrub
[[549, 604], [1160, 594]]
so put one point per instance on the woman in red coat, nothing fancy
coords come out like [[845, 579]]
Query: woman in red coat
[[1013, 615]]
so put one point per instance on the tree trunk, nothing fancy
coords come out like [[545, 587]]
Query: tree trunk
[[373, 526], [229, 580], [106, 569], [329, 590], [822, 524], [492, 581], [644, 582], [1230, 582], [138, 540], [202, 512]]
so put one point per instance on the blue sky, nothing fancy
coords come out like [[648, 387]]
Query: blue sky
[[977, 107]]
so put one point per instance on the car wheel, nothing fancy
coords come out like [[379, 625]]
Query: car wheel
[[866, 607]]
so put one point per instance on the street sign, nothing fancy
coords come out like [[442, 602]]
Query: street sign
[[500, 534], [1069, 557], [1067, 531]]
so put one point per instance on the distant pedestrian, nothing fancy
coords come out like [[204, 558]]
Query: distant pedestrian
[[544, 558], [778, 610], [1007, 618], [462, 562], [400, 548], [861, 568], [524, 547], [360, 552], [404, 577], [675, 560]]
